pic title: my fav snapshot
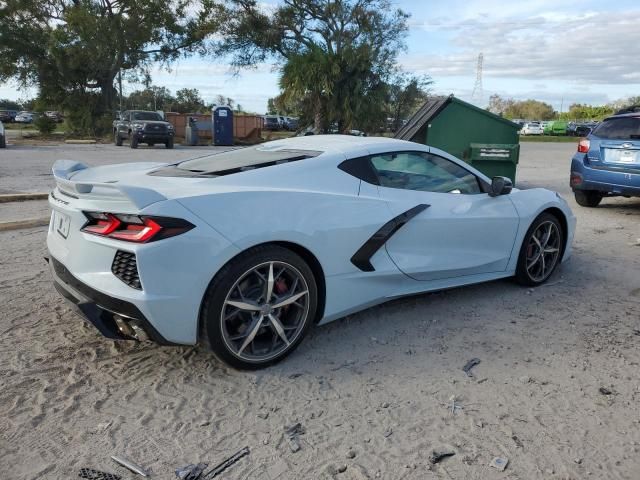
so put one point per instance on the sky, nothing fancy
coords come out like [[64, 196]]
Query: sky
[[561, 52]]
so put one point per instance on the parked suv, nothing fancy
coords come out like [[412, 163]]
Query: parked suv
[[607, 162], [140, 126], [271, 122]]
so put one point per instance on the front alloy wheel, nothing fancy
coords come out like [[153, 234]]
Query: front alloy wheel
[[259, 307], [540, 252]]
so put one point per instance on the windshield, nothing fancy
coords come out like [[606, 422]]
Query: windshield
[[145, 116], [621, 128]]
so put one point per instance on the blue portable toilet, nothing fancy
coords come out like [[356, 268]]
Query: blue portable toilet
[[222, 126]]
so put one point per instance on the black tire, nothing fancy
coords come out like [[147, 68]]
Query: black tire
[[223, 286], [526, 276], [117, 139], [588, 198], [133, 141], [3, 142], [169, 142]]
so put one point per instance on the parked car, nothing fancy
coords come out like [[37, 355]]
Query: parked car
[[607, 162], [192, 252], [531, 128], [291, 124], [555, 127], [584, 129], [140, 126], [24, 117], [271, 122], [3, 138], [7, 116], [55, 116]]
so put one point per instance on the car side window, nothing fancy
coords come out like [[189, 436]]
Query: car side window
[[423, 172]]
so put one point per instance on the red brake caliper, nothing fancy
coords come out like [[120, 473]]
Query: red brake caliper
[[280, 288]]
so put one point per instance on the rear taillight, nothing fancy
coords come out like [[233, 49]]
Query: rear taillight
[[583, 145], [134, 228]]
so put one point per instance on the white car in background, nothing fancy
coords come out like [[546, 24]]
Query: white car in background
[[531, 128], [24, 117], [3, 138], [246, 250]]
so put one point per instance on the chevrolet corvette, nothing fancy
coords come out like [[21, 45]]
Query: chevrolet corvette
[[245, 250]]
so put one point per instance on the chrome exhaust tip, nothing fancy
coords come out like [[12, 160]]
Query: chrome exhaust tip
[[130, 327], [123, 327]]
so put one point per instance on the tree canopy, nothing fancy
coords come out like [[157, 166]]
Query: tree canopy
[[72, 50], [334, 57], [523, 109]]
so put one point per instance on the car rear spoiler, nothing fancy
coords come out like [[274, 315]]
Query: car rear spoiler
[[64, 170]]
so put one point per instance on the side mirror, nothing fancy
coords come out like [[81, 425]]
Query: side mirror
[[500, 186]]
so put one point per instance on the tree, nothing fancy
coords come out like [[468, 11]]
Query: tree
[[405, 94], [188, 100], [499, 105], [335, 56], [7, 104], [151, 98], [74, 49], [524, 109]]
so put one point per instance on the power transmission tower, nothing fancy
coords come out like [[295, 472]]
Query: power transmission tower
[[478, 94]]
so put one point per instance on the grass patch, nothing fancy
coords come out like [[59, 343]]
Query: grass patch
[[548, 139]]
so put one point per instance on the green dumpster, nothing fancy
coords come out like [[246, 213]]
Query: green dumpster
[[495, 160], [455, 126]]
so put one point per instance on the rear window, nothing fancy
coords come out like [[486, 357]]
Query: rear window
[[241, 159], [621, 128]]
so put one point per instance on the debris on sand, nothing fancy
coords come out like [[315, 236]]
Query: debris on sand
[[604, 391], [469, 365], [292, 433], [454, 406], [128, 464], [191, 471], [438, 455], [226, 463], [517, 441], [499, 463]]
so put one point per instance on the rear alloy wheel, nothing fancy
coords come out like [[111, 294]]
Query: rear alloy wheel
[[259, 307], [540, 252], [117, 139], [588, 198]]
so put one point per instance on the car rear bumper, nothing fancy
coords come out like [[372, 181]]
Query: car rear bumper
[[614, 181], [112, 317]]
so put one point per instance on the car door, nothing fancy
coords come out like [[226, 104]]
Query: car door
[[455, 229]]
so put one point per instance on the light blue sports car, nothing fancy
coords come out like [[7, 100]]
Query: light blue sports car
[[248, 249]]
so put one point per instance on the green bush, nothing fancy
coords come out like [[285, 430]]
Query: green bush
[[44, 124]]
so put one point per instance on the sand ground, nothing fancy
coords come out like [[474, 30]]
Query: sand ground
[[373, 391]]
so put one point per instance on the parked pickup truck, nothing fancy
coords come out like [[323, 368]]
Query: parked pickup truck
[[139, 126]]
